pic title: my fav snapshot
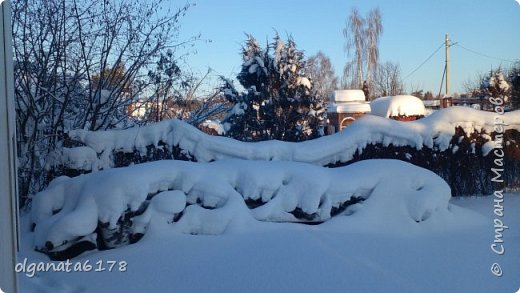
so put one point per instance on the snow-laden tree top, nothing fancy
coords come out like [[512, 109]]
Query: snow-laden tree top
[[435, 130], [496, 80], [401, 105]]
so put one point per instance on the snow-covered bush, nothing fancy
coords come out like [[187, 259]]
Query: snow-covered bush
[[497, 89], [466, 165], [118, 206], [89, 77], [454, 143], [496, 85], [514, 76]]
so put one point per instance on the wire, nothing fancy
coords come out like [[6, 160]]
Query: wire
[[429, 57], [482, 54], [442, 81]]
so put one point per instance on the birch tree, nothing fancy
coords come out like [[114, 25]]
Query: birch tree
[[362, 35]]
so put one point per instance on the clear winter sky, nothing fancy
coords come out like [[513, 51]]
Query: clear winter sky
[[413, 29]]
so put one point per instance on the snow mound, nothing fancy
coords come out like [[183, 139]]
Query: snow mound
[[230, 195], [80, 158], [401, 105], [436, 130], [349, 107], [348, 96]]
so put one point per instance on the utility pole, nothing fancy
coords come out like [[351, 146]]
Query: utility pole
[[8, 188], [447, 44]]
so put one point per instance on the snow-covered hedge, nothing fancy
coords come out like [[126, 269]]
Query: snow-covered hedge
[[435, 131], [463, 165], [449, 142], [115, 207]]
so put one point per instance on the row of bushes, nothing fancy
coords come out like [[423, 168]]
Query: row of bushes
[[464, 166]]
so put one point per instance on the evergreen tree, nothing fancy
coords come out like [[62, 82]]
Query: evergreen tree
[[495, 85], [278, 102], [515, 88]]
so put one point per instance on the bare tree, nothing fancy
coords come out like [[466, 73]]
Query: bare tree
[[320, 70], [79, 64], [373, 32], [472, 85], [354, 33], [387, 81], [362, 39], [176, 95]]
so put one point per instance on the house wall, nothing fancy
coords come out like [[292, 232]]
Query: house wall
[[336, 119]]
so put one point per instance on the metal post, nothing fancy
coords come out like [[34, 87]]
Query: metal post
[[8, 187], [447, 44]]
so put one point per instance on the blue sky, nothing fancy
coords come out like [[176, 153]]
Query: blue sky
[[412, 31]]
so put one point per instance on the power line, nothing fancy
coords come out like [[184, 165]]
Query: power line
[[442, 81], [429, 57], [483, 55]]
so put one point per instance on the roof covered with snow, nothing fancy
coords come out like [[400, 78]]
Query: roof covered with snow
[[348, 101], [401, 105], [348, 96]]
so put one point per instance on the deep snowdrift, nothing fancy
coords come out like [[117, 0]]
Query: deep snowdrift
[[434, 131], [231, 195], [286, 258]]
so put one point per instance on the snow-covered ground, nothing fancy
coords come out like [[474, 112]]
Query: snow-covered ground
[[451, 255], [229, 225]]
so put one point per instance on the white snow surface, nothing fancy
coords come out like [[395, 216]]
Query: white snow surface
[[224, 185], [436, 130], [215, 125], [341, 255], [401, 105], [348, 101], [80, 158], [304, 81], [348, 96], [497, 78], [350, 107]]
